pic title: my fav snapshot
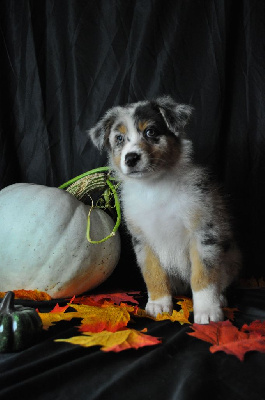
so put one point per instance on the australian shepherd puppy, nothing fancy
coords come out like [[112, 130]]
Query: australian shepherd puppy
[[178, 221]]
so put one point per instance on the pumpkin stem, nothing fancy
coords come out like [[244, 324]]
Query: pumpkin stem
[[7, 305]]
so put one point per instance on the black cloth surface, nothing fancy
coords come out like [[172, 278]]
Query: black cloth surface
[[63, 64], [182, 367]]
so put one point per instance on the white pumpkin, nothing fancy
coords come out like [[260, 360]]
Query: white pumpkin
[[43, 242]]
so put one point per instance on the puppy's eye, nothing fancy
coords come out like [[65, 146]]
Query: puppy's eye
[[119, 139], [150, 133]]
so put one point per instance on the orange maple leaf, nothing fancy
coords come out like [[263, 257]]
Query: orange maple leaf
[[62, 309], [86, 300], [35, 295], [224, 336], [114, 341], [116, 298]]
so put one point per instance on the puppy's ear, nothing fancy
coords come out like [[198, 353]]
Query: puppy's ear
[[99, 134], [175, 115]]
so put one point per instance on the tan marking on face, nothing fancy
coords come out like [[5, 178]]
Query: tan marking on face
[[142, 125], [122, 129], [164, 155], [201, 277], [155, 277], [156, 152]]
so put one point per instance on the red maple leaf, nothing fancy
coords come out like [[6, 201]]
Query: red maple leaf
[[224, 336], [115, 298], [255, 326], [86, 300]]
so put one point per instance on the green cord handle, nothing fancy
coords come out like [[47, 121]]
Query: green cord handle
[[116, 202], [93, 171], [118, 221]]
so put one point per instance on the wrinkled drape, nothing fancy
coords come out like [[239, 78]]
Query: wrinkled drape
[[64, 63]]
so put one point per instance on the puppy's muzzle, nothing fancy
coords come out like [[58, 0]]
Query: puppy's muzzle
[[131, 159]]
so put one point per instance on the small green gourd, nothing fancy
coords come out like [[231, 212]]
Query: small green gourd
[[19, 326]]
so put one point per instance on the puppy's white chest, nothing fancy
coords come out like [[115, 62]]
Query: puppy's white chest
[[166, 206], [162, 217]]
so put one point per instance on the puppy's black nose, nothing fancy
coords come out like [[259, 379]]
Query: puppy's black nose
[[131, 159]]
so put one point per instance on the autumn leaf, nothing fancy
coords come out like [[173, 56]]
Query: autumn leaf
[[86, 300], [216, 332], [49, 319], [97, 319], [176, 316], [255, 326], [185, 302], [94, 319], [35, 295], [114, 341], [186, 307], [224, 336], [58, 309], [240, 348], [115, 298], [181, 316]]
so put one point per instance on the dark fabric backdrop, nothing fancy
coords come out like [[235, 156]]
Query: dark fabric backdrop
[[64, 63]]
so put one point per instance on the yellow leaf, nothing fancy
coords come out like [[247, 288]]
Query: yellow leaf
[[97, 319], [186, 307], [181, 316], [48, 319], [185, 303], [176, 316], [113, 341], [93, 319]]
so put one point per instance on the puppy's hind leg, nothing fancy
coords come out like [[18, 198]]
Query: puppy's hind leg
[[156, 280]]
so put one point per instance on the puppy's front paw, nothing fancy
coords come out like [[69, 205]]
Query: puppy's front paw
[[207, 305], [154, 307], [204, 316]]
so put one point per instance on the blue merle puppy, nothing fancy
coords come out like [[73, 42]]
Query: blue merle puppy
[[180, 226]]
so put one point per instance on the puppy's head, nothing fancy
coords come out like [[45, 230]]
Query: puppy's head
[[143, 139]]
